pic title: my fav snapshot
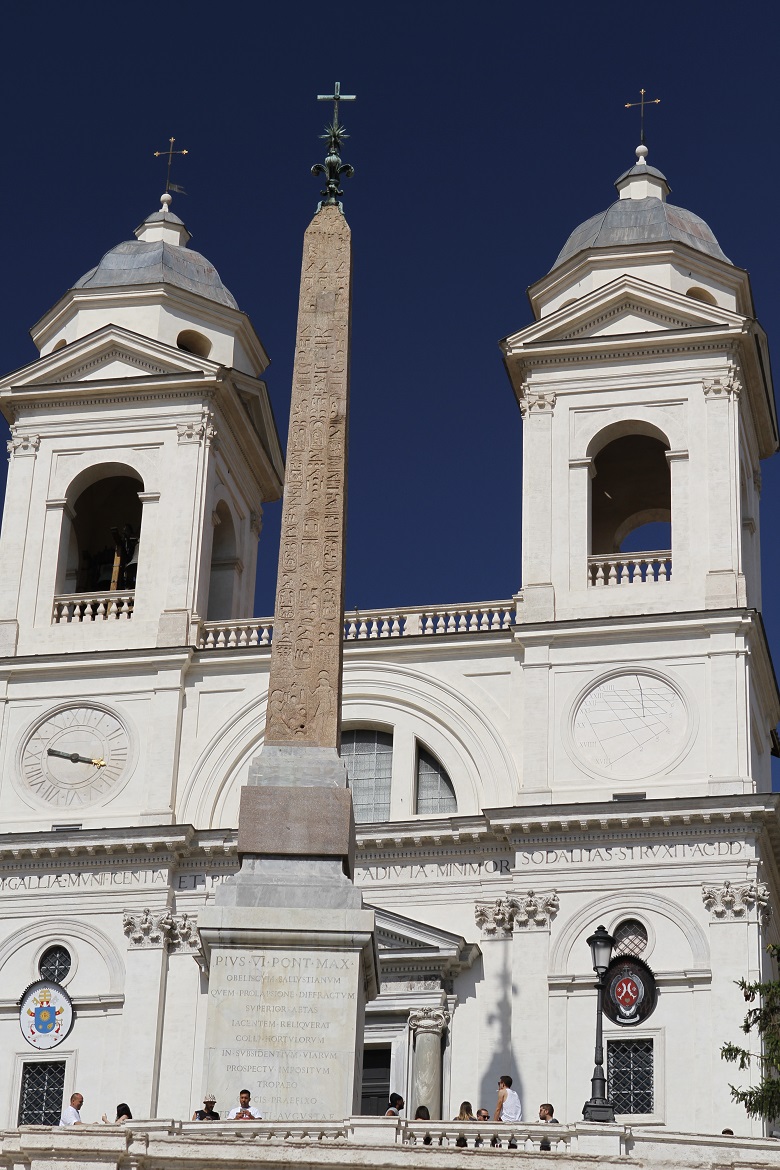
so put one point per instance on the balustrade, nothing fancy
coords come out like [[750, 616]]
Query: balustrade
[[372, 625], [92, 607], [649, 568]]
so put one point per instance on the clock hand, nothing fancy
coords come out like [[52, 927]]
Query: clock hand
[[75, 758]]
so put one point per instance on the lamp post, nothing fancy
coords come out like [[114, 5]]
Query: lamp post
[[599, 1108]]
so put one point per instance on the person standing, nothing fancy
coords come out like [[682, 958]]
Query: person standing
[[207, 1113], [71, 1114], [244, 1111], [508, 1106], [395, 1105]]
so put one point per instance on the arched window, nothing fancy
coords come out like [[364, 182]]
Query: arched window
[[630, 937], [99, 551], [435, 793], [368, 756], [631, 490], [225, 565]]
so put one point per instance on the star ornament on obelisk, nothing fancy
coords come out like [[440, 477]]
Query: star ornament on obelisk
[[292, 917]]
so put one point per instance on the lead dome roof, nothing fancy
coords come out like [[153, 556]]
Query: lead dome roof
[[630, 221], [158, 261]]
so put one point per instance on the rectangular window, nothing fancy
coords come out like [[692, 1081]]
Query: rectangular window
[[376, 1081], [40, 1101], [630, 1075]]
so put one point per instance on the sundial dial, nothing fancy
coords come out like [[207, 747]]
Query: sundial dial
[[630, 726]]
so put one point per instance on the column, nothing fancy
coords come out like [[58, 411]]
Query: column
[[138, 1057], [16, 523], [538, 594], [580, 472], [427, 1026], [530, 996], [722, 490]]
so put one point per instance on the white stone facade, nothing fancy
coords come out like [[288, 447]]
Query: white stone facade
[[666, 819]]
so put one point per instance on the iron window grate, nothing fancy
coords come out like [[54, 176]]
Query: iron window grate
[[40, 1101], [630, 1075]]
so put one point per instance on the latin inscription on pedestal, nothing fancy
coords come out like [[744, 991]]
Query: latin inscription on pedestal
[[281, 1023]]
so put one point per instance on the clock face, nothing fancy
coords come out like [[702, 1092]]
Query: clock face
[[74, 756], [630, 726]]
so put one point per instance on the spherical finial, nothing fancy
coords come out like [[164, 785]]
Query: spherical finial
[[166, 201], [641, 154]]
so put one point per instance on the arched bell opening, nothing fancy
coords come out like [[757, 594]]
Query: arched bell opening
[[101, 534], [630, 491], [225, 566]]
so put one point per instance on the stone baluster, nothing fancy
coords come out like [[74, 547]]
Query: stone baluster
[[428, 1026]]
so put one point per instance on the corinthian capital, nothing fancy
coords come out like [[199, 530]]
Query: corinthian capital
[[722, 388], [536, 909], [731, 902], [536, 401], [149, 928], [431, 1020]]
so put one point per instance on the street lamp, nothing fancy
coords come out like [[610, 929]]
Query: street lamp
[[599, 1108]]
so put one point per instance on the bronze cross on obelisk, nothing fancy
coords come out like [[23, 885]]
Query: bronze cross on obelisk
[[336, 97], [169, 153], [642, 103]]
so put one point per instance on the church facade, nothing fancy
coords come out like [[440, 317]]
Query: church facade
[[594, 750]]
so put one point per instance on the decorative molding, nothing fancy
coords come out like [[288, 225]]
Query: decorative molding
[[148, 928], [22, 444], [674, 321], [536, 401], [199, 430], [536, 909], [497, 919], [429, 1020], [110, 355], [256, 521], [722, 388], [730, 903]]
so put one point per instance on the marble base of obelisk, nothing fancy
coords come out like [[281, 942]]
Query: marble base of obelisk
[[292, 959]]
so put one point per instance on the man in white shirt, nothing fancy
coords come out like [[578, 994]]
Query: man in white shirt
[[508, 1107], [71, 1114], [244, 1111]]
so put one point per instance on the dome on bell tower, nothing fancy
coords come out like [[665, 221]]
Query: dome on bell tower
[[641, 216], [159, 255]]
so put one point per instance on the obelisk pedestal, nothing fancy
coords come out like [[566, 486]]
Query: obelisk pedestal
[[291, 951]]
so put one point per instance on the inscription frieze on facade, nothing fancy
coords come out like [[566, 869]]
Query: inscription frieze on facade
[[305, 688], [733, 902]]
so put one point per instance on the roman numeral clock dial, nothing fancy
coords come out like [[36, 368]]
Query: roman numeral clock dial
[[75, 756]]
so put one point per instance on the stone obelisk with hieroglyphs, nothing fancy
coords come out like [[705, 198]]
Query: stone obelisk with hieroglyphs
[[291, 950]]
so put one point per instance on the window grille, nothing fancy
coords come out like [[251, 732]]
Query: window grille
[[630, 938], [55, 964], [368, 756], [630, 1075], [40, 1101], [435, 793]]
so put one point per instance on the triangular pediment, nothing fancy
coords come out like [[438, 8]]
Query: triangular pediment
[[404, 943], [624, 307], [109, 354]]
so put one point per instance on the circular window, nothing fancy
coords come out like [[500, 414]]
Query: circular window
[[630, 938], [55, 964]]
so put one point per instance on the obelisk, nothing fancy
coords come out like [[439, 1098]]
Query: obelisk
[[291, 951]]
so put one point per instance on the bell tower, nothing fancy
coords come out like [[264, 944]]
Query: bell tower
[[647, 404], [142, 449]]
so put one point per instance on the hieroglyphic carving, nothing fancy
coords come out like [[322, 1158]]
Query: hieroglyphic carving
[[306, 658]]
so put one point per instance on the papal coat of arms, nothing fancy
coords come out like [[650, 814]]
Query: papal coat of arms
[[46, 1014]]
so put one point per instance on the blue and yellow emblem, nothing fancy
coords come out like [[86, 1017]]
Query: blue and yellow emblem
[[45, 1019]]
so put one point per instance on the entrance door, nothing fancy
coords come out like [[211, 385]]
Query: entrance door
[[376, 1081]]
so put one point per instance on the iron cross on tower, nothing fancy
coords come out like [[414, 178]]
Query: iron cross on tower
[[169, 153], [643, 101]]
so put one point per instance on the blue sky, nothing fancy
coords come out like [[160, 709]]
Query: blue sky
[[482, 135]]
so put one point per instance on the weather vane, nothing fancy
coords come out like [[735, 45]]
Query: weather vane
[[169, 153], [333, 169], [642, 103]]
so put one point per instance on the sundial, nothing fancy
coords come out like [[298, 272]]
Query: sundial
[[630, 726]]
